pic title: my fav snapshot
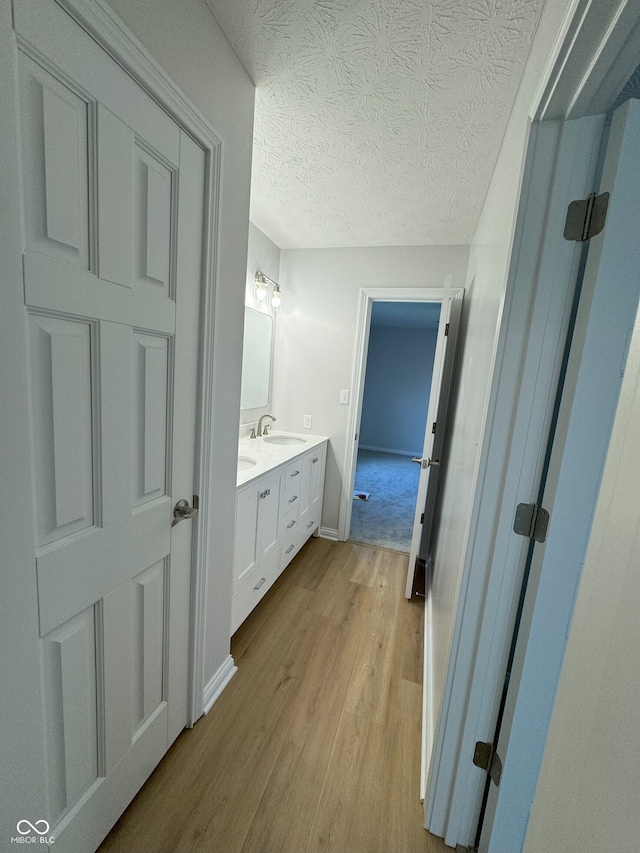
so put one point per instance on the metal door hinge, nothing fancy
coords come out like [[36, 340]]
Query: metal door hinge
[[486, 758], [422, 518], [531, 521], [586, 217], [433, 428], [446, 330]]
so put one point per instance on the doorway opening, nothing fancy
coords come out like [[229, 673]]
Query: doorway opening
[[395, 400], [447, 301]]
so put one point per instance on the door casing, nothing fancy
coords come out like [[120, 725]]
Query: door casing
[[367, 297], [577, 458]]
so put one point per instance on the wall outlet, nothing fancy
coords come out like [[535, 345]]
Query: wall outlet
[[344, 397], [308, 420]]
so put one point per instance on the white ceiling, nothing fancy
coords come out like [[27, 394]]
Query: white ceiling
[[378, 122]]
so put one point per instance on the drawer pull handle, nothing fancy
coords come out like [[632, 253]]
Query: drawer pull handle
[[266, 493], [311, 523], [294, 498], [291, 523], [294, 474], [260, 582], [289, 549], [315, 460]]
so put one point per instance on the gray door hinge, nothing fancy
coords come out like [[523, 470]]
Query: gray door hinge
[[586, 217], [446, 330], [486, 758], [531, 521], [421, 518]]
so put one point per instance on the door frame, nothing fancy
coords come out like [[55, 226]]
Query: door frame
[[367, 296], [109, 31], [527, 365], [597, 52], [578, 451]]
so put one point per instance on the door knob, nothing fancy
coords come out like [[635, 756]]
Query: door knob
[[182, 510], [425, 463]]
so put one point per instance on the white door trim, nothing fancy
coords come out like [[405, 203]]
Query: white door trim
[[102, 23], [589, 403], [369, 295], [534, 324]]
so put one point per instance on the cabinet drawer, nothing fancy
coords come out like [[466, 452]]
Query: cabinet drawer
[[293, 475], [289, 501], [310, 523], [290, 548], [248, 596], [289, 523]]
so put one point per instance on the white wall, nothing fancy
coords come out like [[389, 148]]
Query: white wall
[[484, 293], [486, 284], [587, 793], [396, 390], [489, 261], [185, 39], [315, 338], [263, 255]]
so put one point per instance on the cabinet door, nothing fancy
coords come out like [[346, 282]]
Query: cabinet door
[[317, 477], [312, 485], [268, 514], [245, 558], [306, 464]]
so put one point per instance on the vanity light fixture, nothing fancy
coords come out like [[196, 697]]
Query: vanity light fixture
[[261, 288], [262, 283], [276, 298]]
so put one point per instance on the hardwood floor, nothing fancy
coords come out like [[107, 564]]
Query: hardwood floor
[[315, 743]]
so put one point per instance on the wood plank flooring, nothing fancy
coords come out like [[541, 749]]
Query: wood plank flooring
[[315, 744]]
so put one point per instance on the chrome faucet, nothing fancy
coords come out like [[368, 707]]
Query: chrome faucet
[[260, 431]]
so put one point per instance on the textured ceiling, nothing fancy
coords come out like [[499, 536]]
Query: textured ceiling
[[378, 122]]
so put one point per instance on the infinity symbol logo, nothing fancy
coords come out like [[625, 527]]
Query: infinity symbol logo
[[32, 828]]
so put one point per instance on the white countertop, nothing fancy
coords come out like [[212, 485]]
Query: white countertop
[[268, 456]]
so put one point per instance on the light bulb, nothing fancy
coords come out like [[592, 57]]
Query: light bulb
[[276, 297]]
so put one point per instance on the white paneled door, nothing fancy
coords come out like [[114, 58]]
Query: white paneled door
[[113, 196]]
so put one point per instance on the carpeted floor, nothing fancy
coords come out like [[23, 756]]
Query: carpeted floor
[[386, 519]]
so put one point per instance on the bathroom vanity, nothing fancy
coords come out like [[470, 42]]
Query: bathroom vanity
[[280, 487]]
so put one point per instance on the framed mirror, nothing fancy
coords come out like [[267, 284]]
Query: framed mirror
[[256, 359]]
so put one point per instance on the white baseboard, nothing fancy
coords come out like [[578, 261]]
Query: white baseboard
[[329, 533], [388, 450], [217, 684]]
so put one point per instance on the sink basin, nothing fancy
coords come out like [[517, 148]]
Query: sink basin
[[284, 439], [245, 462]]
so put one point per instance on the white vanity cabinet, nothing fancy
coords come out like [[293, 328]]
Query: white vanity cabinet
[[275, 515], [312, 488], [257, 515]]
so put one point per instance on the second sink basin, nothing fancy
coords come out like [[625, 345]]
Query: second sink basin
[[284, 439], [245, 462]]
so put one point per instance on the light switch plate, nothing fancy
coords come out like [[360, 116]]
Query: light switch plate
[[344, 397]]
